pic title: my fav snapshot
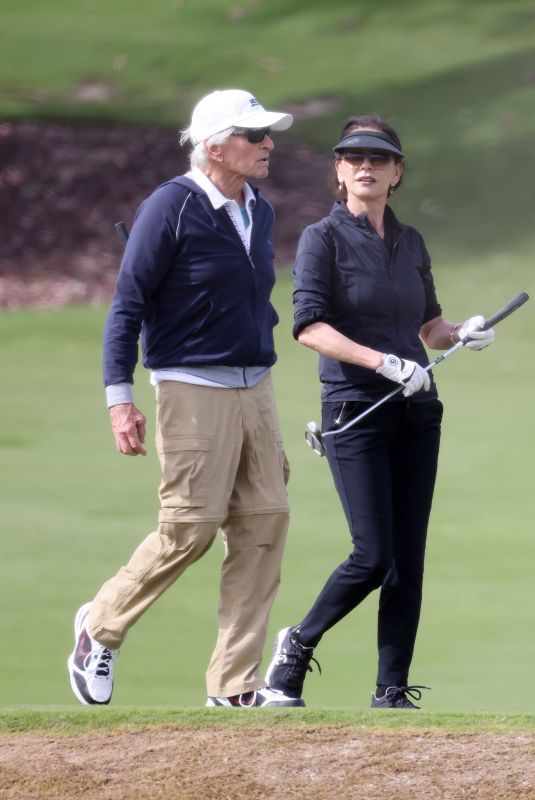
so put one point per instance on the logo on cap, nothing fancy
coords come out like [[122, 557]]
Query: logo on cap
[[253, 102]]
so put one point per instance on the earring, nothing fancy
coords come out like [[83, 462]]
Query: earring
[[340, 186]]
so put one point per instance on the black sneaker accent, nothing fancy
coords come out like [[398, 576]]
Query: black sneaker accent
[[396, 697], [259, 698], [289, 663]]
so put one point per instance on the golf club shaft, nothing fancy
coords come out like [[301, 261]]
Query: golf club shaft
[[393, 393], [122, 231], [502, 313]]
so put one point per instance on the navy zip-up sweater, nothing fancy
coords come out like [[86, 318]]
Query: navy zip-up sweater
[[375, 294], [187, 284]]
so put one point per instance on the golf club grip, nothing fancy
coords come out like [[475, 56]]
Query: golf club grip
[[511, 306], [122, 231]]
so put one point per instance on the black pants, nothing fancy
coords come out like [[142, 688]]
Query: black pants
[[384, 470]]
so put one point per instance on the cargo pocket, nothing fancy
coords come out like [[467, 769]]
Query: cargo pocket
[[186, 463], [285, 466]]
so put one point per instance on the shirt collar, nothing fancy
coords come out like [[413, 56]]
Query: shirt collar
[[217, 199], [340, 208]]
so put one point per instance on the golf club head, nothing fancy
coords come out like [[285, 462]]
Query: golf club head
[[314, 439]]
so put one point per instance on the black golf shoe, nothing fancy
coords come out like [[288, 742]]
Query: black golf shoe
[[289, 663], [396, 697]]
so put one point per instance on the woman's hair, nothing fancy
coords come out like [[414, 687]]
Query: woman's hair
[[198, 156], [369, 122]]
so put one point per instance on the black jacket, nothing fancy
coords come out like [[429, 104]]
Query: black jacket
[[376, 292], [189, 287]]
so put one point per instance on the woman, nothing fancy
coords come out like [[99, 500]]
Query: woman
[[365, 301]]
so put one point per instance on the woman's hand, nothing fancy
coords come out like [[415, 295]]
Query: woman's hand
[[440, 334], [410, 374], [473, 337]]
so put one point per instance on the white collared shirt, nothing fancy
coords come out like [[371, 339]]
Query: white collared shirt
[[218, 200]]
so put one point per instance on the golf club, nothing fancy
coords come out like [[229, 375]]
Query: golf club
[[313, 434], [122, 231]]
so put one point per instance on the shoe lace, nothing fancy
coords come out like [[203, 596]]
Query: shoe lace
[[298, 659], [98, 661], [400, 693]]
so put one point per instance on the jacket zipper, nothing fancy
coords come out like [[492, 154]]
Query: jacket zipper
[[391, 259]]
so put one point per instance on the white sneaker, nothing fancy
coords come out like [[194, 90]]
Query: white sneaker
[[90, 664], [260, 698]]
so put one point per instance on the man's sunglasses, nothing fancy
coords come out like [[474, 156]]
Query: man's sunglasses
[[253, 135], [357, 159]]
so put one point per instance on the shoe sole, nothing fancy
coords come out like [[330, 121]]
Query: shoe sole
[[78, 624], [213, 702], [296, 702], [277, 645]]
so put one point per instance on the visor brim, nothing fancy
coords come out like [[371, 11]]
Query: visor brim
[[369, 140]]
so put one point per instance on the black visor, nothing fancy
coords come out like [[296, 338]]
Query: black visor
[[369, 140]]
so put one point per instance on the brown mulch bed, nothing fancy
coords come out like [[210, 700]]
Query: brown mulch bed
[[63, 187]]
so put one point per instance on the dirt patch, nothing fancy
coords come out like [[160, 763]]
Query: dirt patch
[[258, 764], [63, 187]]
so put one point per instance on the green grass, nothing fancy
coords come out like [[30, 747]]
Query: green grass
[[456, 79], [68, 721], [156, 60], [73, 510]]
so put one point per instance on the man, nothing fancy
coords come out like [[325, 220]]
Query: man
[[195, 281]]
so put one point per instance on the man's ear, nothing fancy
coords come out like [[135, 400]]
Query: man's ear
[[215, 151]]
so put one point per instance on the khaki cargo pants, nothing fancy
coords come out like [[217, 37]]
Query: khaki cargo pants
[[223, 467]]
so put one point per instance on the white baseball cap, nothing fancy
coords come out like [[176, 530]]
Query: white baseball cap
[[230, 108]]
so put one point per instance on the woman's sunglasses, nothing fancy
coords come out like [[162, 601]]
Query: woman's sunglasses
[[377, 160], [253, 135]]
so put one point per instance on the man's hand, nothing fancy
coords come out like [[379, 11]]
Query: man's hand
[[128, 426]]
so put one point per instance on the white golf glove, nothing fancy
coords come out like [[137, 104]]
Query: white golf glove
[[473, 336], [410, 374]]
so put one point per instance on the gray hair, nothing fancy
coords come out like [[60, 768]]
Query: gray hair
[[198, 156]]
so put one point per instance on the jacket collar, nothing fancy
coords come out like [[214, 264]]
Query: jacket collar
[[341, 213]]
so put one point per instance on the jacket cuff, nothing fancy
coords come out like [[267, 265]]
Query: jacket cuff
[[119, 393]]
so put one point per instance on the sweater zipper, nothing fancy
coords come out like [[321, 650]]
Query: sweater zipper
[[242, 239], [251, 262]]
